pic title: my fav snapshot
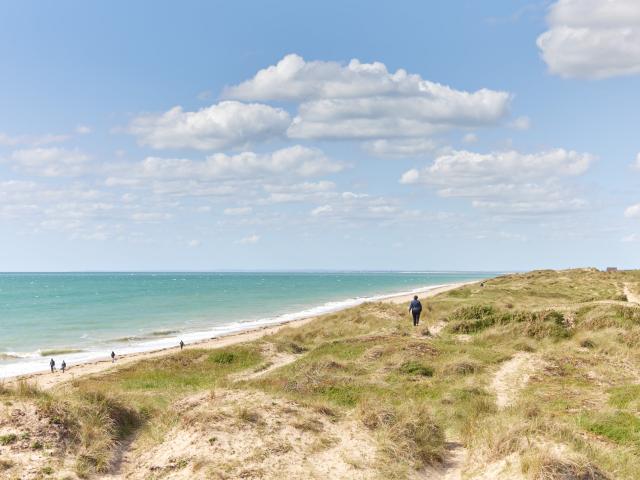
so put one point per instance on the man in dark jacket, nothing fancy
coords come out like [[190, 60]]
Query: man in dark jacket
[[415, 307]]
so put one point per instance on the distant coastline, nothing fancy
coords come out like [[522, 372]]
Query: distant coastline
[[87, 362]]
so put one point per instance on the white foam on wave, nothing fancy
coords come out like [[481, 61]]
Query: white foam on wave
[[28, 365]]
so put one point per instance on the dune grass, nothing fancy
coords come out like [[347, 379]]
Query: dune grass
[[576, 418]]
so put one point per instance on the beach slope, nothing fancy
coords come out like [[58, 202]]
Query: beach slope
[[523, 376]]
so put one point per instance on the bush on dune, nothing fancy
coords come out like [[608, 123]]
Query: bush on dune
[[407, 432], [538, 325]]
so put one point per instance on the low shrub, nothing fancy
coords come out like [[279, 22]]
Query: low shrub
[[416, 368]]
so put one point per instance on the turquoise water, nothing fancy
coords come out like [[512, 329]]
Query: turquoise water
[[97, 312]]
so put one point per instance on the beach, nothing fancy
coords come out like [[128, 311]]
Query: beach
[[360, 393], [45, 379]]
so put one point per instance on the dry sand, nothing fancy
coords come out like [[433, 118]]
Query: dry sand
[[47, 380]]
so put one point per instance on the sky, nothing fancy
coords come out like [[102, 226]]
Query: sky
[[338, 135]]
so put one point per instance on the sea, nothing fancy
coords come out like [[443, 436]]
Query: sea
[[81, 317]]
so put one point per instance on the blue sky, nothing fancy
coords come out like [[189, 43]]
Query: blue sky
[[464, 135]]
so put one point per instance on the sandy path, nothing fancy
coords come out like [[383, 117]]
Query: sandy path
[[47, 380], [513, 376], [274, 360], [631, 297], [457, 457]]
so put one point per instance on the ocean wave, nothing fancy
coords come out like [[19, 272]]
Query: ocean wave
[[19, 355], [59, 351]]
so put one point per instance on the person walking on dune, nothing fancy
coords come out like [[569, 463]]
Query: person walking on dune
[[52, 364], [415, 307], [63, 366], [181, 344], [113, 357]]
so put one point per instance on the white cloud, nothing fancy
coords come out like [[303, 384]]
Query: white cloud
[[238, 211], [31, 140], [592, 38], [304, 187], [249, 240], [633, 211], [366, 101], [521, 123], [194, 243], [295, 160], [406, 147], [321, 210], [636, 164], [634, 237], [470, 138], [506, 181], [49, 162], [221, 126], [463, 168], [83, 129], [299, 192], [353, 196], [151, 217]]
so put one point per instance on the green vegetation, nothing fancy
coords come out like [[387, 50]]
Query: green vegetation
[[8, 439], [574, 416]]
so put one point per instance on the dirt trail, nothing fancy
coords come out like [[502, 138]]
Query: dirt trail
[[631, 297], [273, 361], [452, 468], [513, 376]]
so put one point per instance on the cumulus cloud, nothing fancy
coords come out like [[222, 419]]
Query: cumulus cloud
[[238, 211], [634, 237], [633, 211], [506, 181], [150, 217], [49, 162], [249, 240], [366, 101], [470, 138], [592, 38], [296, 160], [31, 140], [225, 125], [408, 147], [321, 210], [83, 129], [352, 210], [521, 123], [299, 192]]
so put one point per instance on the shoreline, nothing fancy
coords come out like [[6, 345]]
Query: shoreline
[[45, 379]]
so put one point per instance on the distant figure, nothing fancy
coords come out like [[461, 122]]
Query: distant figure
[[52, 364], [415, 307], [113, 357], [482, 284], [63, 366], [181, 344]]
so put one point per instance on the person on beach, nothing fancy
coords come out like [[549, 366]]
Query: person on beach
[[113, 357], [52, 364], [63, 366], [415, 307], [181, 344]]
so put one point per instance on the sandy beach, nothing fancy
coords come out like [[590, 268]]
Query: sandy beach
[[46, 379]]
